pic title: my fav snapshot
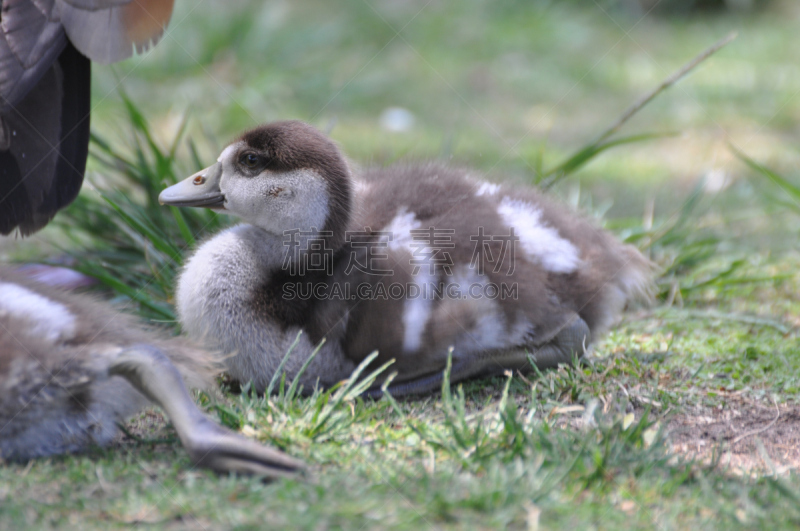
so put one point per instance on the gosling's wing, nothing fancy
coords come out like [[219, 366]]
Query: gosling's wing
[[44, 142], [107, 31]]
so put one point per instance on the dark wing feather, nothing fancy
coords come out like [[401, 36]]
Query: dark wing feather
[[48, 141], [108, 31], [44, 103], [31, 38]]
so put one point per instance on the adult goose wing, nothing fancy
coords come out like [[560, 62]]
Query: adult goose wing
[[44, 142], [108, 31], [31, 38], [45, 86]]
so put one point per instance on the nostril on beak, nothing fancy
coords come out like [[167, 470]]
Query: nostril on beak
[[200, 179]]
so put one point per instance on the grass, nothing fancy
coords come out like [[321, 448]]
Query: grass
[[489, 454], [512, 89], [122, 236]]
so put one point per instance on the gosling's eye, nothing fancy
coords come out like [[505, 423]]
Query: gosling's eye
[[250, 160]]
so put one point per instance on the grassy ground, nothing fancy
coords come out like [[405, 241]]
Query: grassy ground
[[687, 416]]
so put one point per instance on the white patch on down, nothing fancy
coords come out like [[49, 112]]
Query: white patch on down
[[50, 320], [227, 152], [400, 229], [537, 239], [417, 309], [489, 329], [361, 187], [417, 312], [487, 188]]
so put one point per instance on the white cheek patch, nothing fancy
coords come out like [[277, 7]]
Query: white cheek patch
[[278, 201], [51, 320], [306, 195], [537, 239]]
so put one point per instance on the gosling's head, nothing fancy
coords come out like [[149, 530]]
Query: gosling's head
[[280, 177]]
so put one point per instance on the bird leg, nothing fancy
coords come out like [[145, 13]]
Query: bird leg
[[209, 445], [571, 341]]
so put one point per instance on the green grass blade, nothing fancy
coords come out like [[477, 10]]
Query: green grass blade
[[279, 370], [183, 226], [130, 292], [156, 237], [787, 186], [587, 153], [290, 394]]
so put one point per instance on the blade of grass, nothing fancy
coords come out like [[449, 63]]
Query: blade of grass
[[351, 389], [584, 155], [667, 83], [130, 292], [153, 235], [787, 186], [589, 151], [296, 381], [279, 370]]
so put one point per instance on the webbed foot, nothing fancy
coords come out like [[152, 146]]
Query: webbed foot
[[208, 444], [212, 446]]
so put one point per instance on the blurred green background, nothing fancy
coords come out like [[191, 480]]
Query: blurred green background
[[493, 84], [507, 87]]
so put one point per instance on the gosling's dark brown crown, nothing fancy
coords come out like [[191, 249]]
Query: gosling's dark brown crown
[[294, 145]]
